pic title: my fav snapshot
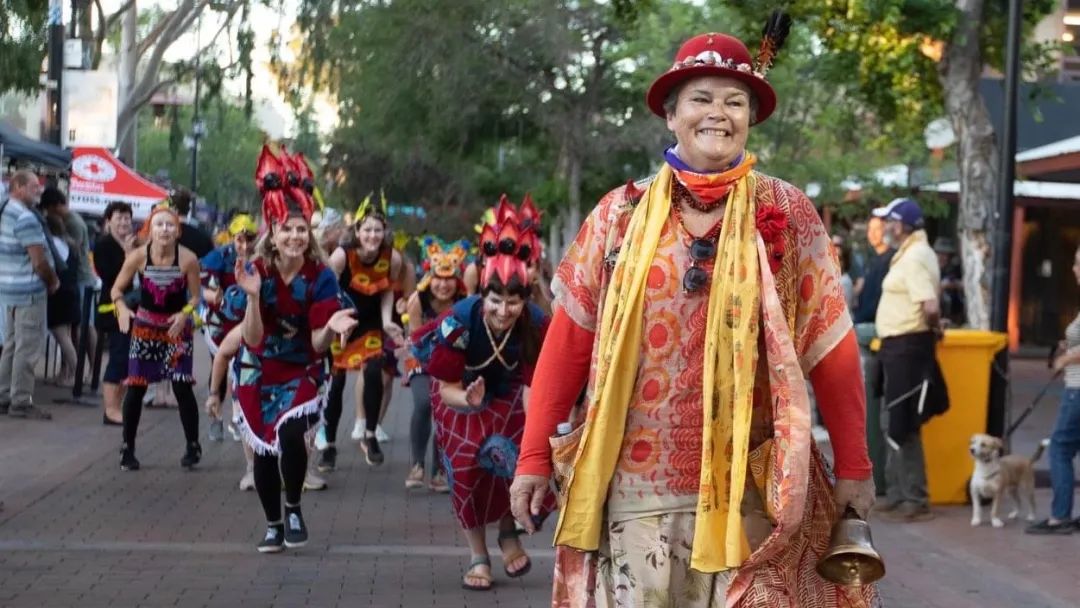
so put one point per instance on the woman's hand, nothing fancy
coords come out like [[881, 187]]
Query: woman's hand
[[213, 406], [527, 495], [123, 317], [859, 493], [1061, 361], [177, 322], [395, 332], [248, 279], [400, 306], [342, 321], [474, 393]]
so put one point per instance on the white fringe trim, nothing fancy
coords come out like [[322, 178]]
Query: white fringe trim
[[262, 448]]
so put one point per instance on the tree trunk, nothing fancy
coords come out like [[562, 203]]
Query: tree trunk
[[129, 59], [959, 72], [555, 242], [144, 85]]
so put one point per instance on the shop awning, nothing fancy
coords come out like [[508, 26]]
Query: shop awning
[[16, 145], [98, 178]]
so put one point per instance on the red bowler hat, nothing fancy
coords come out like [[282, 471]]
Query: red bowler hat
[[714, 55]]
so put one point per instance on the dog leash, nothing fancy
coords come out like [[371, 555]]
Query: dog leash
[[1031, 408]]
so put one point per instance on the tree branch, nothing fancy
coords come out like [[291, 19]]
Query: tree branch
[[105, 25], [168, 35], [152, 36]]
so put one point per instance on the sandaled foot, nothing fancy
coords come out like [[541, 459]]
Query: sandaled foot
[[478, 576], [516, 561]]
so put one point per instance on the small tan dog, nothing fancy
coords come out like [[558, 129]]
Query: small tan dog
[[996, 474]]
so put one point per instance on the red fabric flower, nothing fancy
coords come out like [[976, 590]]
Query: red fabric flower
[[771, 224]]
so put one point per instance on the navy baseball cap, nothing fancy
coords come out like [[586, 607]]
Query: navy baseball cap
[[901, 210]]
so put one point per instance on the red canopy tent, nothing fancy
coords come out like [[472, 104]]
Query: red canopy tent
[[98, 178]]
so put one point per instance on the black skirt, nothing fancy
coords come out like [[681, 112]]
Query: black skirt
[[63, 308]]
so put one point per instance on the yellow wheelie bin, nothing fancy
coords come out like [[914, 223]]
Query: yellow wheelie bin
[[965, 357]]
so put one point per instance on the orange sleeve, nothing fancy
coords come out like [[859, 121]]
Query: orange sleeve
[[561, 373], [841, 399]]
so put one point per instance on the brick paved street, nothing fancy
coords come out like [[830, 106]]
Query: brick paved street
[[75, 531]]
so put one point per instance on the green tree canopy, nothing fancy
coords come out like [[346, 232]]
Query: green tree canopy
[[23, 34], [227, 153], [450, 105]]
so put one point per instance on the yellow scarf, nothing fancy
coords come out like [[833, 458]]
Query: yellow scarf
[[731, 353]]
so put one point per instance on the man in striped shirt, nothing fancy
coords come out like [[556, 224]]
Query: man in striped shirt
[[26, 279]]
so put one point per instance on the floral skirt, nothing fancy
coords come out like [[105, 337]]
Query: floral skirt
[[155, 355], [363, 348], [646, 563], [271, 392], [479, 451]]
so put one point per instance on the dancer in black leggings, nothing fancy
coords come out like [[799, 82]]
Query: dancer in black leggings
[[161, 330], [364, 265], [289, 304]]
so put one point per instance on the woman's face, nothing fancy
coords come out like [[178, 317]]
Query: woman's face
[[244, 243], [443, 288], [502, 311], [291, 238], [119, 225], [711, 122], [1076, 266], [164, 228], [371, 232]]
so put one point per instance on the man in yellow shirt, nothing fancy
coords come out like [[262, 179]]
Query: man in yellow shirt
[[908, 323]]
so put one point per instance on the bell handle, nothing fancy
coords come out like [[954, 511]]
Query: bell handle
[[850, 513]]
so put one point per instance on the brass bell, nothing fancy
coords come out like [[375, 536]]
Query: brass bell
[[851, 559]]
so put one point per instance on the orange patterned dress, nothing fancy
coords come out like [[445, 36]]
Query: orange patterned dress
[[804, 317]]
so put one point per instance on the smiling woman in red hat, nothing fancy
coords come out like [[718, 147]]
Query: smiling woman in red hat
[[694, 305]]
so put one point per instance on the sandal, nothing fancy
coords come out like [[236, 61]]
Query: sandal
[[509, 558], [481, 560]]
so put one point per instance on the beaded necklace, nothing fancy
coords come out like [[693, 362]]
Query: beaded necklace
[[711, 235]]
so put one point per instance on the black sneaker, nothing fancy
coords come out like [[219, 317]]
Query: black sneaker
[[1045, 527], [372, 454], [327, 459], [192, 455], [127, 458], [295, 529], [274, 540]]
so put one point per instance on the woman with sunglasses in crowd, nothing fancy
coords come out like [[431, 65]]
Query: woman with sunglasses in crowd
[[692, 304]]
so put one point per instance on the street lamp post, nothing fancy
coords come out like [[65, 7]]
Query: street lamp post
[[198, 127], [1003, 225], [55, 72]]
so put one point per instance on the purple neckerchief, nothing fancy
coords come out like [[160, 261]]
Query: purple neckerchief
[[677, 163]]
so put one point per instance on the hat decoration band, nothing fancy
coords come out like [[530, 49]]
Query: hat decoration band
[[712, 58]]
